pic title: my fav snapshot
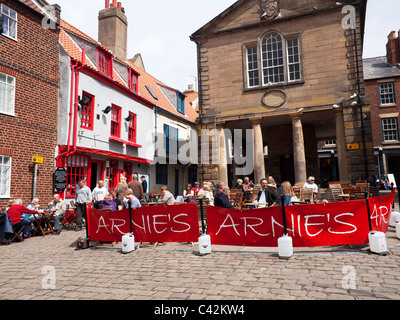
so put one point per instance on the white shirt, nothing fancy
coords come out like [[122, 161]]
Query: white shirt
[[262, 199], [99, 193], [312, 186]]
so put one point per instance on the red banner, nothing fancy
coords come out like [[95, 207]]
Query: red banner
[[338, 223], [177, 223]]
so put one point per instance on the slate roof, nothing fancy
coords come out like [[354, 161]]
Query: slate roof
[[379, 68]]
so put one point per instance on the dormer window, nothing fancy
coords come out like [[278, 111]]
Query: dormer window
[[133, 80], [180, 103], [104, 62]]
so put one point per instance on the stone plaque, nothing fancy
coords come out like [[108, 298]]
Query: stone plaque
[[274, 98]]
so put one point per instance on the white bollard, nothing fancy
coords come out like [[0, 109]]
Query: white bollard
[[128, 243], [398, 230], [377, 242], [204, 244], [394, 217], [285, 247]]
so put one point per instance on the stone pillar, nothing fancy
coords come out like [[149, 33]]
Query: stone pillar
[[259, 166], [299, 154], [341, 147], [222, 159]]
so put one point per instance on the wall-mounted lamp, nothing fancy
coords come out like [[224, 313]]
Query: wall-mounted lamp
[[129, 118], [85, 101], [107, 110]]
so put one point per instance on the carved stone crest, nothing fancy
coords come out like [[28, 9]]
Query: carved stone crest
[[269, 9]]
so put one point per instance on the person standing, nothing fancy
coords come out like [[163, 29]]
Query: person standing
[[99, 193], [136, 187], [83, 196], [144, 184], [59, 206], [120, 189]]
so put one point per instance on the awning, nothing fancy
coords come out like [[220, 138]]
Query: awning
[[110, 154]]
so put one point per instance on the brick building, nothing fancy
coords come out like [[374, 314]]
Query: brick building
[[382, 86], [287, 70], [29, 57]]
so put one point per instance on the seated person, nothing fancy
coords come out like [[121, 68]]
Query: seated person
[[206, 193], [15, 213], [108, 203], [34, 205], [221, 199], [166, 196], [310, 184], [117, 201], [188, 193], [267, 196], [131, 199], [59, 205]]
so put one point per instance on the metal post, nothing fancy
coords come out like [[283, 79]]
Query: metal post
[[369, 211], [284, 215], [130, 216], [203, 228], [35, 180]]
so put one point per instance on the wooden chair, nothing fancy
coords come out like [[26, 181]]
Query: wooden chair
[[236, 199], [16, 235], [334, 191], [306, 195]]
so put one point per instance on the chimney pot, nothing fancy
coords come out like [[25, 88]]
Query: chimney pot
[[119, 4], [107, 4], [114, 4], [392, 35]]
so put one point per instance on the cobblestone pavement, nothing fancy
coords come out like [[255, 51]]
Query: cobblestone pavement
[[176, 271]]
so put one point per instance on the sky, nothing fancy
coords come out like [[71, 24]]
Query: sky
[[160, 29]]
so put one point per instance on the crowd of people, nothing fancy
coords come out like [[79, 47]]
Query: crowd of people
[[132, 195]]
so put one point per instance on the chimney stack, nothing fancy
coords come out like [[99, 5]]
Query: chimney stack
[[113, 29], [393, 49]]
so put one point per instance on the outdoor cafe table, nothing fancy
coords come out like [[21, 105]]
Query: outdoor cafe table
[[46, 216], [256, 204]]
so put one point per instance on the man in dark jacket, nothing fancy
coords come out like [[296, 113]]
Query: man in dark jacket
[[221, 199], [267, 196]]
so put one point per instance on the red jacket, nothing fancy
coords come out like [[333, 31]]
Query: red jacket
[[15, 212]]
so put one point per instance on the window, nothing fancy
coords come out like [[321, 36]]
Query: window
[[87, 114], [132, 128], [152, 93], [7, 94], [329, 143], [161, 174], [390, 129], [133, 78], [115, 121], [274, 60], [113, 174], [5, 176], [386, 93], [180, 102], [171, 139], [104, 62], [252, 67], [77, 169], [9, 24]]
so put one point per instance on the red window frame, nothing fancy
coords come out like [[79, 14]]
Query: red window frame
[[104, 62], [132, 128], [113, 174], [78, 167], [87, 113], [115, 121], [133, 80]]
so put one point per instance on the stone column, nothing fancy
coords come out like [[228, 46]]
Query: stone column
[[222, 160], [259, 166], [341, 147], [299, 154]]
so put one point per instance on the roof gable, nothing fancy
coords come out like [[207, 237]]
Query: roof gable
[[251, 13]]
